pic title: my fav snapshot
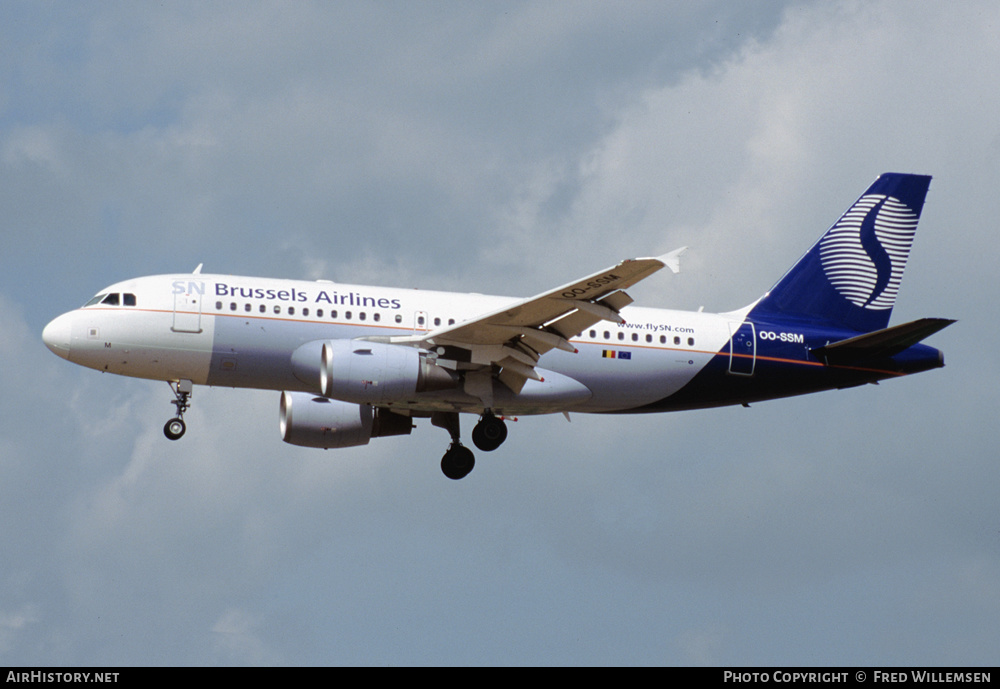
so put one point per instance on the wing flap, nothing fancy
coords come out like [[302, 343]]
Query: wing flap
[[578, 320]]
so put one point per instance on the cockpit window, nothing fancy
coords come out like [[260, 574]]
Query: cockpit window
[[113, 299]]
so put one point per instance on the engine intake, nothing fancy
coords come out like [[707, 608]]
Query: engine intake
[[368, 372]]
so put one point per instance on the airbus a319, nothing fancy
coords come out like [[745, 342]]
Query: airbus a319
[[357, 362]]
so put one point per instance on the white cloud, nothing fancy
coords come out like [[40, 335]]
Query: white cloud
[[12, 625], [237, 634], [731, 162]]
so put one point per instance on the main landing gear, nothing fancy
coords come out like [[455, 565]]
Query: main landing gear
[[175, 427], [458, 461], [488, 435]]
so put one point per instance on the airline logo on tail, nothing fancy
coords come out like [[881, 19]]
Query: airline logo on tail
[[864, 254]]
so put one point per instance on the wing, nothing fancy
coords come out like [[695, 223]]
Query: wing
[[514, 337]]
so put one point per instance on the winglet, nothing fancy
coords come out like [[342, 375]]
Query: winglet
[[673, 259]]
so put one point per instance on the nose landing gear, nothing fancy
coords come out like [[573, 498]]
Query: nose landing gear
[[175, 427]]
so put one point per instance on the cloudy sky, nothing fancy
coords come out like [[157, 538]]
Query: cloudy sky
[[495, 147]]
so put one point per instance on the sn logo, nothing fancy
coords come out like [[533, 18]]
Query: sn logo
[[188, 287]]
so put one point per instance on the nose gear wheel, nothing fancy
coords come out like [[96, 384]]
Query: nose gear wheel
[[175, 427]]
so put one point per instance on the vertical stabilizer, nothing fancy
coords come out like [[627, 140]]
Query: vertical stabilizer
[[851, 276]]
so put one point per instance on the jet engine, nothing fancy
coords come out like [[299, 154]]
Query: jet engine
[[366, 372], [313, 421]]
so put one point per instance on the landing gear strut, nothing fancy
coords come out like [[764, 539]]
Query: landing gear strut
[[458, 461], [175, 427]]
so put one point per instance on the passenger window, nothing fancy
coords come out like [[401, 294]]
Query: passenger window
[[621, 336], [607, 335], [333, 314], [305, 312], [377, 317], [691, 342], [128, 299], [347, 315], [663, 339], [218, 306], [247, 307], [420, 320], [677, 340], [649, 338], [361, 316], [437, 321], [291, 310], [277, 309], [319, 313], [635, 337], [232, 306], [263, 308], [593, 334], [399, 319]]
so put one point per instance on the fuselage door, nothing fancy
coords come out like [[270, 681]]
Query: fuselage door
[[742, 348], [187, 313]]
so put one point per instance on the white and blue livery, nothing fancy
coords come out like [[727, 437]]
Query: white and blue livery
[[357, 362]]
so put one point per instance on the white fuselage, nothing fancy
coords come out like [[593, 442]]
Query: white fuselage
[[241, 332]]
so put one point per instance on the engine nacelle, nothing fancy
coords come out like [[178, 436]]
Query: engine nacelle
[[313, 421], [368, 372]]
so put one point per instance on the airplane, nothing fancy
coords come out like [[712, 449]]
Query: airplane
[[356, 362]]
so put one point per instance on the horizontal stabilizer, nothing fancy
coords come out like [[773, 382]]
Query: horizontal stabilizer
[[881, 343]]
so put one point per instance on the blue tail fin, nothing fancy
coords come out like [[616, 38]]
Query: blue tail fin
[[851, 276]]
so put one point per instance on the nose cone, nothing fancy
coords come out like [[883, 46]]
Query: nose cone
[[56, 335]]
